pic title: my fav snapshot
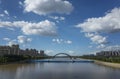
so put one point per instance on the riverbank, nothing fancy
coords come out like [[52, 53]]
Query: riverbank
[[113, 65], [113, 61], [109, 64], [17, 62]]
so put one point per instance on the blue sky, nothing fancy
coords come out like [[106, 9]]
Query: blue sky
[[76, 27]]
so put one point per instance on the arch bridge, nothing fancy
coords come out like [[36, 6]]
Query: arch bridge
[[63, 54]]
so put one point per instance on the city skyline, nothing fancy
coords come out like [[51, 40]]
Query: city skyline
[[74, 27], [16, 50]]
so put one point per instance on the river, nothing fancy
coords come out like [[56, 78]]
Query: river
[[61, 70]]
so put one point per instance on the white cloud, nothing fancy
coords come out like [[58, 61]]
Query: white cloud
[[101, 46], [90, 46], [26, 45], [71, 52], [108, 23], [89, 34], [2, 15], [20, 3], [97, 39], [12, 29], [50, 52], [94, 27], [53, 52], [11, 42], [57, 18], [62, 18], [6, 39], [20, 40], [6, 12], [59, 41], [44, 7], [23, 39], [68, 42], [15, 17], [45, 28]]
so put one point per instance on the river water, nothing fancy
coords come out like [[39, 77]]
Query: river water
[[61, 70]]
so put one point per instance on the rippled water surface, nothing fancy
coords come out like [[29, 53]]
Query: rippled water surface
[[52, 70]]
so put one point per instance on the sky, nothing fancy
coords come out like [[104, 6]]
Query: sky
[[75, 27]]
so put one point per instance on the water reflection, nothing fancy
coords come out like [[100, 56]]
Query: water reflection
[[58, 71]]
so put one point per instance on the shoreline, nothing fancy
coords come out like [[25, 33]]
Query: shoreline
[[103, 63], [17, 62], [108, 64]]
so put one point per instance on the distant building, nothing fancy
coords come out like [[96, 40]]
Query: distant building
[[29, 52], [6, 50], [15, 50], [89, 55], [42, 53], [108, 53]]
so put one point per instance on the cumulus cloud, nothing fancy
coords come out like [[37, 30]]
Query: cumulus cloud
[[2, 15], [6, 12], [44, 7], [45, 28], [101, 46], [59, 41], [6, 39], [23, 39], [50, 52], [19, 40], [11, 42], [20, 3], [57, 18], [95, 38], [108, 23], [94, 27]]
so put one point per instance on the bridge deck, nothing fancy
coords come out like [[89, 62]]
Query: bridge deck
[[64, 61]]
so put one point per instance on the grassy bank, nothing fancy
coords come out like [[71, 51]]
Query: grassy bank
[[114, 59], [18, 58], [113, 65], [106, 61]]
